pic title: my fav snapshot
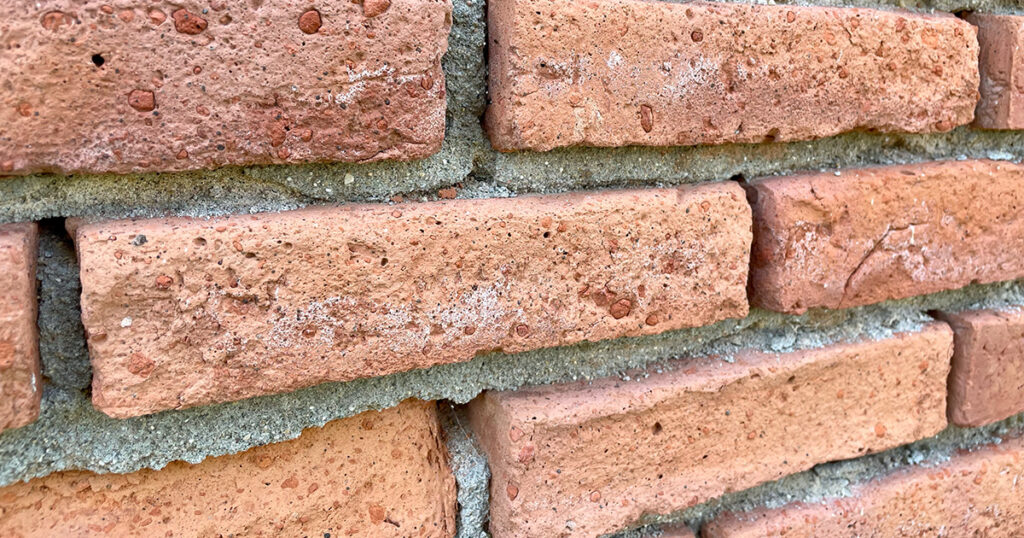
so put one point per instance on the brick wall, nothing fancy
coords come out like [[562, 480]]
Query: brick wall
[[520, 268]]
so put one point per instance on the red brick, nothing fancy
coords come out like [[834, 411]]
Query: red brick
[[376, 474], [182, 312], [873, 234], [20, 381], [973, 494], [1002, 71], [986, 383], [187, 86], [637, 72], [594, 457]]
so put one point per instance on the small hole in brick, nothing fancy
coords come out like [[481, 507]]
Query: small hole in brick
[[98, 60], [383, 261], [547, 235], [200, 242], [656, 429]]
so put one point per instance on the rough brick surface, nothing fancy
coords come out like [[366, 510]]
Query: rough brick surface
[[183, 312], [973, 494], [986, 382], [1002, 71], [375, 474], [587, 459], [21, 385], [143, 86], [635, 72], [872, 234]]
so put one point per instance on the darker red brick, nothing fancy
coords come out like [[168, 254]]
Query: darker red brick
[[21, 385], [1002, 70]]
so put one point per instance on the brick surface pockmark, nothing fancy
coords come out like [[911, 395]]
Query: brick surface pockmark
[[183, 312], [974, 494], [1001, 65], [633, 72], [375, 474], [21, 385], [867, 235], [986, 383], [91, 87], [591, 458]]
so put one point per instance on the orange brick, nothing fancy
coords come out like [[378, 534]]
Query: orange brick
[[986, 383], [375, 474], [872, 234], [21, 385], [157, 87], [183, 312], [973, 494], [1002, 70], [594, 457], [637, 72]]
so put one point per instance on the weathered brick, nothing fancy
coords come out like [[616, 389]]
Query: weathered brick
[[20, 382], [986, 382], [636, 72], [156, 87], [872, 234], [1001, 65], [376, 474], [973, 494], [590, 458], [182, 312]]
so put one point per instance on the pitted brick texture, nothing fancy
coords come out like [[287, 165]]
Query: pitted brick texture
[[21, 384], [974, 494], [376, 474], [633, 72], [987, 379], [128, 86], [1001, 65], [587, 459], [867, 235], [182, 312]]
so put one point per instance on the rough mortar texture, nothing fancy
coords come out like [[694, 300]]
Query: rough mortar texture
[[472, 474], [62, 348]]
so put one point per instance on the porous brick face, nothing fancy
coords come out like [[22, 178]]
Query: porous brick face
[[375, 474], [21, 385], [1001, 65], [872, 234], [589, 458], [974, 494], [986, 383], [183, 312], [91, 86], [633, 72]]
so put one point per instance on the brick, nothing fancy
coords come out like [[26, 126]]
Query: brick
[[20, 381], [872, 234], [636, 72], [973, 494], [182, 312], [140, 87], [986, 382], [591, 458], [1001, 65], [376, 474]]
